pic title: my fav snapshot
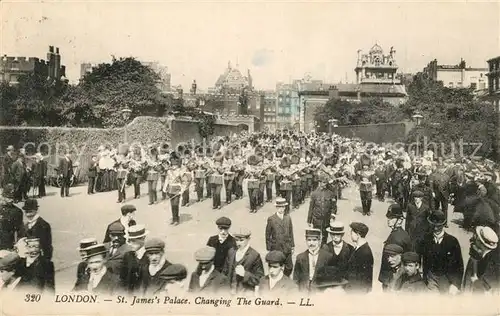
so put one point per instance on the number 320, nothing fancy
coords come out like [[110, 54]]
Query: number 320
[[31, 298]]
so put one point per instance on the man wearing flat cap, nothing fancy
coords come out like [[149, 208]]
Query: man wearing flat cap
[[360, 265], [243, 265], [99, 280], [174, 277], [125, 221], [341, 251], [330, 283], [117, 247], [132, 271], [276, 283], [11, 219], [482, 274], [441, 254], [222, 242], [310, 261], [411, 280], [416, 218], [37, 227], [37, 272], [392, 278], [9, 276], [157, 262], [206, 278], [279, 234]]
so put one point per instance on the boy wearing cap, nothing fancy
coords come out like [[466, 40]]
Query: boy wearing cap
[[360, 265], [310, 261], [206, 278], [411, 280], [441, 254], [37, 272], [37, 227], [132, 271], [279, 234], [155, 251], [243, 266], [341, 251], [125, 221], [482, 274], [9, 278], [222, 242], [99, 280], [11, 219], [276, 282]]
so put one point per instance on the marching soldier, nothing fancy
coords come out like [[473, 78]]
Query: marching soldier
[[366, 189], [187, 169], [380, 180], [173, 186], [121, 176], [217, 180], [200, 173], [270, 176], [92, 174], [154, 165], [136, 162], [228, 175], [164, 158], [285, 185], [253, 182]]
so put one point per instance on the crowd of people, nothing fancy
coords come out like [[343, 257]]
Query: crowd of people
[[419, 255]]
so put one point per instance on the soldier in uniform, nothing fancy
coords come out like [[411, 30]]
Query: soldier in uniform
[[221, 242], [152, 175], [136, 161], [285, 180], [217, 180], [380, 180], [173, 187], [200, 173], [253, 182], [276, 283], [206, 279], [92, 174], [11, 219], [164, 158], [320, 208], [268, 161], [366, 188], [121, 175]]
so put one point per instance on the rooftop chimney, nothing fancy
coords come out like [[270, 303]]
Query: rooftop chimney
[[57, 65]]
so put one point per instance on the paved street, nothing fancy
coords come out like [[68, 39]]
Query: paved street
[[81, 216]]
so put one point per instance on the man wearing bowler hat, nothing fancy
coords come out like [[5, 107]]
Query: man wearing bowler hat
[[11, 219], [276, 282], [243, 265], [206, 278], [155, 251], [341, 251], [482, 274], [310, 261], [117, 247], [222, 242], [441, 254], [132, 271], [99, 280], [279, 234], [360, 265], [125, 221], [37, 227]]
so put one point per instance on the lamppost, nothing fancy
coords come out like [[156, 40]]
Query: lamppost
[[417, 118], [126, 113]]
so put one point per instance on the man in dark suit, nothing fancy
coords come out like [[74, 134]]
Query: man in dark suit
[[116, 247], [206, 278], [441, 254], [7, 162], [341, 251], [310, 261], [65, 172], [222, 242], [243, 265], [85, 243], [416, 218], [320, 208], [276, 283], [11, 219], [132, 271], [37, 227], [40, 172], [92, 174], [19, 178], [398, 236], [360, 265], [439, 183], [126, 220], [279, 234], [37, 272], [151, 282], [482, 274], [99, 280]]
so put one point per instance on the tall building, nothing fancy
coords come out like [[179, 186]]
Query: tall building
[[269, 104], [457, 76], [287, 105], [232, 80], [11, 68]]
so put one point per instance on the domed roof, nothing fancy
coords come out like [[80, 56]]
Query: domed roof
[[376, 49]]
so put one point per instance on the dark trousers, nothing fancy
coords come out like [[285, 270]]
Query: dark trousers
[[199, 185], [174, 205], [136, 180], [153, 196], [19, 192], [253, 197], [262, 188], [366, 201], [309, 185], [296, 195], [269, 191], [380, 184], [277, 179], [441, 202], [288, 265], [65, 186], [90, 185], [185, 196], [228, 185], [287, 195], [41, 188], [303, 189], [216, 190], [209, 187], [162, 183], [121, 192]]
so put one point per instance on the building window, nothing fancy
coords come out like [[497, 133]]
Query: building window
[[473, 85]]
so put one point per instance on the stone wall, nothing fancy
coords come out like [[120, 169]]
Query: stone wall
[[84, 142], [377, 133]]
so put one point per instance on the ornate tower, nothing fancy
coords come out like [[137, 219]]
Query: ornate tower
[[375, 67]]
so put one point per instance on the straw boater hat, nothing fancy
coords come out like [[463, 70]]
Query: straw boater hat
[[281, 202], [487, 236], [99, 249], [86, 243], [136, 232], [336, 228]]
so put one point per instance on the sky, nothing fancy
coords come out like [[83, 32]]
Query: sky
[[276, 40]]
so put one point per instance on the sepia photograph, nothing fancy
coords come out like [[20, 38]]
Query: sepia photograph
[[249, 157]]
